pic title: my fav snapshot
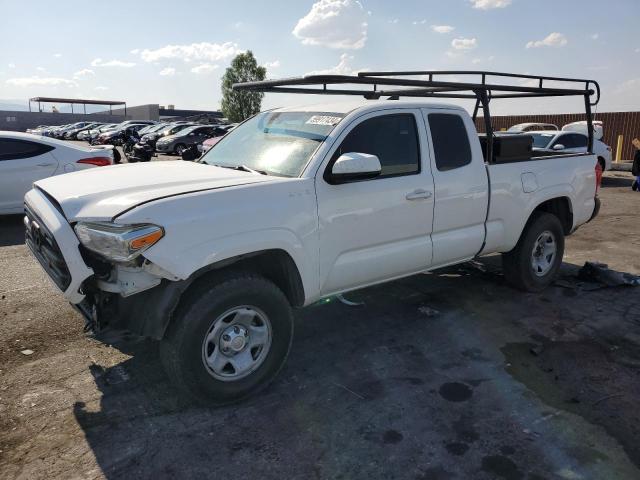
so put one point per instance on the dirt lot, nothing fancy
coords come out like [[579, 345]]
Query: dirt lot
[[438, 376]]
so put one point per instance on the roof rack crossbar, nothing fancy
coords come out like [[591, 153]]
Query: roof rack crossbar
[[481, 89], [378, 79]]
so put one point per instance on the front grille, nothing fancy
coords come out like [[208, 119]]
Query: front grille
[[44, 247]]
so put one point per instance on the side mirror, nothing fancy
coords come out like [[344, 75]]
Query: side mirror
[[558, 146], [354, 166]]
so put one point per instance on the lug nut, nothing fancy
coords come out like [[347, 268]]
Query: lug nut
[[236, 330], [226, 337]]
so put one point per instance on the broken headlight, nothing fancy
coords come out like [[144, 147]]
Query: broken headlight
[[120, 243]]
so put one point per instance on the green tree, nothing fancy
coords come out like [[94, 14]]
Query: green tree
[[239, 105]]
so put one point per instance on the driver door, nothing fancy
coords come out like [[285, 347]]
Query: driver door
[[377, 229]]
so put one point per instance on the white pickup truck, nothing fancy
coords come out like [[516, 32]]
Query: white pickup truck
[[294, 205]]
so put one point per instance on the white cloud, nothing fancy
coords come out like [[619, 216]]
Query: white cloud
[[442, 28], [41, 69], [595, 36], [274, 64], [464, 43], [334, 24], [343, 67], [554, 39], [83, 73], [98, 62], [57, 55], [204, 68], [489, 4], [421, 22], [479, 60], [168, 72], [395, 20], [12, 65], [628, 85], [203, 52], [41, 81], [135, 51], [101, 88]]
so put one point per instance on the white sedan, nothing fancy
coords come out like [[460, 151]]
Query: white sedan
[[570, 142], [25, 158]]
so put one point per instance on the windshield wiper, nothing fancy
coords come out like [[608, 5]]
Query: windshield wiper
[[243, 168]]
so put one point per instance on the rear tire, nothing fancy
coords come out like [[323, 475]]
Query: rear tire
[[212, 349], [534, 262]]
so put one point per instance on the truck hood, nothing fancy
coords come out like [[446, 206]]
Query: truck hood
[[102, 193]]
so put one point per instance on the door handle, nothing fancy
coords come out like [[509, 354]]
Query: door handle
[[45, 164], [418, 194]]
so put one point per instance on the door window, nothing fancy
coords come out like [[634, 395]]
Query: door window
[[450, 141], [13, 149], [392, 138]]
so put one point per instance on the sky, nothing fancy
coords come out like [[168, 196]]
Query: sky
[[171, 52]]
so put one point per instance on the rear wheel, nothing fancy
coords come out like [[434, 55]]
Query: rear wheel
[[229, 340], [534, 262]]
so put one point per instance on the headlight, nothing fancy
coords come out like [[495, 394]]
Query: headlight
[[121, 243]]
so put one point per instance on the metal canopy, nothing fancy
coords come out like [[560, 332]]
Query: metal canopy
[[483, 86], [77, 101]]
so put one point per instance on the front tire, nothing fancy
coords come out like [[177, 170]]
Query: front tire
[[534, 262], [179, 149], [228, 340]]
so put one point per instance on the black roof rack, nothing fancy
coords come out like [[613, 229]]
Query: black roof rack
[[440, 84]]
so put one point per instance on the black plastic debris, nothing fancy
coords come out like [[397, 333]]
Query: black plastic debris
[[600, 273]]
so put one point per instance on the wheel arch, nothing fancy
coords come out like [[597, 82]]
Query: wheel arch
[[150, 313], [559, 206]]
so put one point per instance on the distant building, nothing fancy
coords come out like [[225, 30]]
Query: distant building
[[20, 121]]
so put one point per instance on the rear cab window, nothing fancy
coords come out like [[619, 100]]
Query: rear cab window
[[450, 141]]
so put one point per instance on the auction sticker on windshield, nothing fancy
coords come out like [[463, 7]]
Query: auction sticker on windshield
[[324, 120]]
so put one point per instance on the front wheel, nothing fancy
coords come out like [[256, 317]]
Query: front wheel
[[228, 340], [179, 149], [534, 262]]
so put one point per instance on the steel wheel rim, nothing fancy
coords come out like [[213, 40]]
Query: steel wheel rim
[[237, 343], [544, 252]]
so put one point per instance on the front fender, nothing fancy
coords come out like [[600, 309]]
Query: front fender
[[184, 260]]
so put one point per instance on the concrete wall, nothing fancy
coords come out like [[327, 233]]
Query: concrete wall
[[20, 121], [141, 112]]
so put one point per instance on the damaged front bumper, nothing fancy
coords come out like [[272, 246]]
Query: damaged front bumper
[[54, 244]]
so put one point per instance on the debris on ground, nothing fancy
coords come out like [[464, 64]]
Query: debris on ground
[[429, 312], [348, 302], [601, 273], [26, 352]]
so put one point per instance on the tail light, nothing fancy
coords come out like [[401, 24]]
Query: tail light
[[598, 176], [97, 161]]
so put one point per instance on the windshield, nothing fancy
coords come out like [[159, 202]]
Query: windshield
[[541, 140], [278, 143]]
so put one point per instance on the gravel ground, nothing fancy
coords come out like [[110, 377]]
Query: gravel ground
[[438, 376]]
